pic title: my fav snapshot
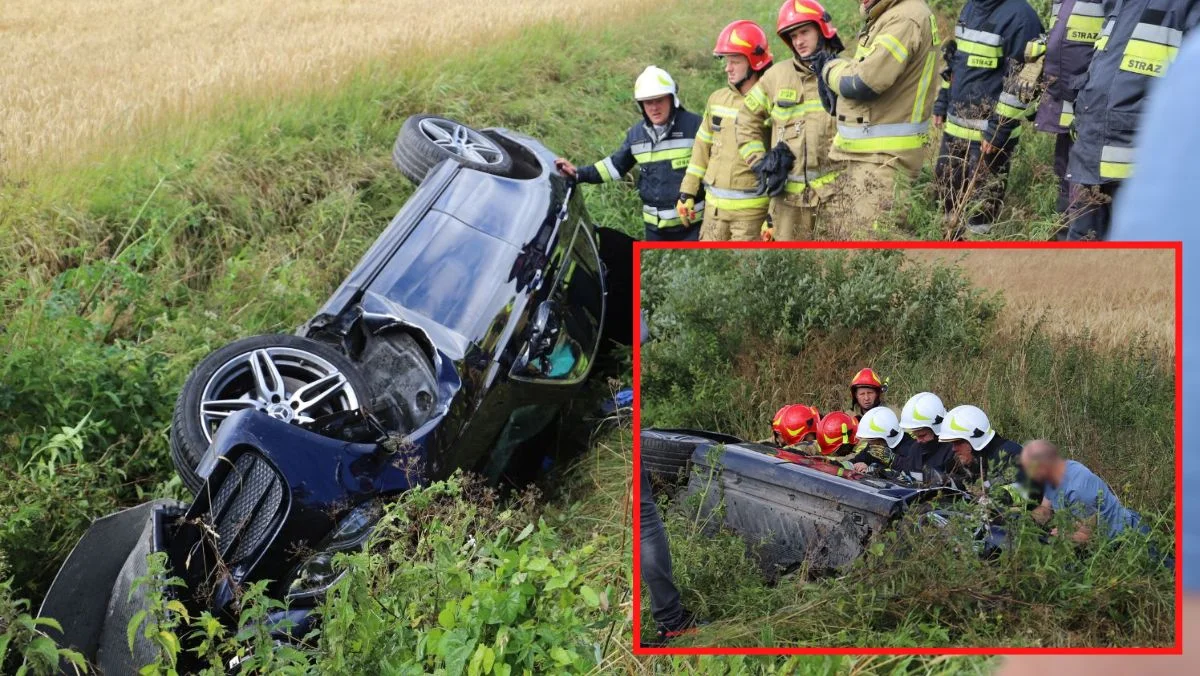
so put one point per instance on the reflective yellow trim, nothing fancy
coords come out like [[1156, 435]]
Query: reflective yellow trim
[[1009, 111], [750, 148], [1147, 58], [1102, 43], [933, 28], [1115, 170], [1065, 119], [724, 111], [757, 99], [661, 155], [782, 114], [923, 88], [979, 48], [797, 187], [661, 222], [737, 203], [602, 168], [894, 46], [881, 144], [704, 136], [1084, 28], [696, 171], [963, 132], [976, 61]]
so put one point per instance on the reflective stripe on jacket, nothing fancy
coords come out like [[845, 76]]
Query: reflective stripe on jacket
[[1138, 41], [786, 101], [1074, 28], [990, 42], [716, 164], [662, 162], [886, 92]]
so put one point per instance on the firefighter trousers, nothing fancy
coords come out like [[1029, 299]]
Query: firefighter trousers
[[723, 225]]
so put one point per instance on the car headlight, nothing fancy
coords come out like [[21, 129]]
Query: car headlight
[[317, 574]]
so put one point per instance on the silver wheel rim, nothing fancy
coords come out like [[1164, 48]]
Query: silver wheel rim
[[461, 141], [295, 386]]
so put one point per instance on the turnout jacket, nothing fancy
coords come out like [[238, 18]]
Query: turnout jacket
[[885, 92], [729, 184], [787, 102], [663, 162], [1066, 52], [990, 40], [1138, 41]]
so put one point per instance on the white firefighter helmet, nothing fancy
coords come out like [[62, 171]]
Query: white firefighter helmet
[[923, 410], [653, 83], [880, 423], [968, 423]]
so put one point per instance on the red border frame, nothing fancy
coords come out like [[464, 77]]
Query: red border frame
[[1176, 649]]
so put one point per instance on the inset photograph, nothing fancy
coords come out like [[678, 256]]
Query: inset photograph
[[907, 448]]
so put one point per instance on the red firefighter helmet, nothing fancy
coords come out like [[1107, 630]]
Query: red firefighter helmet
[[795, 421], [748, 39], [867, 378], [795, 13], [835, 430]]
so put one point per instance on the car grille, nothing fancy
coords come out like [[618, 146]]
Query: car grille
[[247, 509]]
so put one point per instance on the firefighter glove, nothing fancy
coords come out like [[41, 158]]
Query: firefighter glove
[[686, 206], [772, 170]]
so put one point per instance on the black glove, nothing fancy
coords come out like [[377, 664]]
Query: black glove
[[772, 170], [828, 96]]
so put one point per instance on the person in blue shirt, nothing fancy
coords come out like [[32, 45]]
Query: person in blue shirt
[[1073, 488]]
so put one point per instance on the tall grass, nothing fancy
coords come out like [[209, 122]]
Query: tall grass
[[82, 76], [739, 333]]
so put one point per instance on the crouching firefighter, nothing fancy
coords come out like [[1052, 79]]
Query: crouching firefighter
[[794, 428], [982, 122], [881, 444], [796, 172], [661, 145], [882, 99], [733, 209]]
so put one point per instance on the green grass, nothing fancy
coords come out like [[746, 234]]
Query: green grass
[[737, 334], [119, 274]]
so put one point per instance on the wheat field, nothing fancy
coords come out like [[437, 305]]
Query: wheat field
[[1116, 294], [77, 73]]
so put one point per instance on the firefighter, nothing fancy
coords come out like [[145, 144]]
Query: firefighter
[[882, 99], [794, 428], [922, 418], [837, 433], [980, 120], [661, 145], [980, 455], [733, 207], [866, 392], [787, 101], [1053, 63], [1138, 41], [886, 446]]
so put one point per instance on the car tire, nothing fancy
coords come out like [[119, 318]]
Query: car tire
[[426, 140], [226, 372], [667, 456]]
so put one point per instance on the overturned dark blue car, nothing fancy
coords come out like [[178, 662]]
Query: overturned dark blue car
[[454, 343]]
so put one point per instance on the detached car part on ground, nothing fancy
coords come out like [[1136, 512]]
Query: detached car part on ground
[[795, 510], [457, 340]]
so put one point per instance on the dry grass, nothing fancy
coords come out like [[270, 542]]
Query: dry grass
[[77, 73], [1117, 295]]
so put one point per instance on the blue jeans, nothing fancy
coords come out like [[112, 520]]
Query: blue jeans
[[656, 562]]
